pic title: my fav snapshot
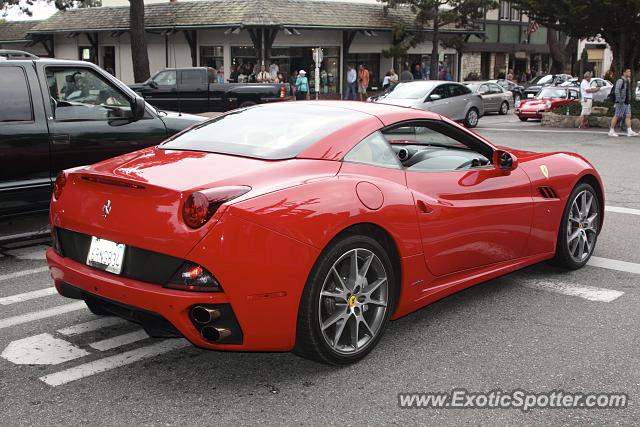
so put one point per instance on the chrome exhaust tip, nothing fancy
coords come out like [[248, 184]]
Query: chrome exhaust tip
[[214, 334], [204, 315]]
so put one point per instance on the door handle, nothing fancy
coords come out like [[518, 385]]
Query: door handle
[[423, 207], [61, 139]]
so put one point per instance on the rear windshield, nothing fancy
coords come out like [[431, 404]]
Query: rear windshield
[[271, 132]]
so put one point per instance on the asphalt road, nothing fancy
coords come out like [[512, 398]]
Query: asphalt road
[[527, 330]]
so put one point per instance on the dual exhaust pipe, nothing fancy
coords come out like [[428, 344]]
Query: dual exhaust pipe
[[203, 316]]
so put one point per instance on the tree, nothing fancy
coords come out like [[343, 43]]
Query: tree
[[615, 20], [562, 49], [435, 15], [139, 54]]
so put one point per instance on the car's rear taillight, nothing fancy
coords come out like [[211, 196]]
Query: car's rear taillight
[[201, 205], [283, 91], [58, 186], [192, 277]]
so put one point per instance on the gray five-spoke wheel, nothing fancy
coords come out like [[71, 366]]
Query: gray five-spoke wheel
[[582, 227], [353, 301]]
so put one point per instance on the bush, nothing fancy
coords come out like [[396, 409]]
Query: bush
[[575, 108]]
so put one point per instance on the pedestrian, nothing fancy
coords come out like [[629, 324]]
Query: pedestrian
[[393, 77], [417, 72], [623, 103], [406, 75], [263, 76], [386, 82], [274, 70], [233, 76], [510, 75], [352, 78], [302, 85], [292, 82], [586, 99], [363, 82]]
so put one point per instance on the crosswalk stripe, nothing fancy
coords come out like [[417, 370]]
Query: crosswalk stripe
[[92, 325], [614, 264], [28, 296], [590, 293], [23, 273], [119, 340], [42, 314], [112, 362], [618, 209]]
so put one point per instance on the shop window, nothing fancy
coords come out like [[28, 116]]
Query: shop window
[[372, 62], [89, 54], [211, 56]]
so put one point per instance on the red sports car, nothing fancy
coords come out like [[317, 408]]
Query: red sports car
[[546, 100], [307, 226]]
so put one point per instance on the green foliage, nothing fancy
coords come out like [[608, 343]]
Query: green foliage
[[26, 6], [575, 109]]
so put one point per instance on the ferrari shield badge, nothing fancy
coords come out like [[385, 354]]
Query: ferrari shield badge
[[544, 171]]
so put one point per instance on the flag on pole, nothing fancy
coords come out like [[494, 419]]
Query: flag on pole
[[533, 27]]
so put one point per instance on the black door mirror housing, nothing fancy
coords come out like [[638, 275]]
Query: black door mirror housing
[[138, 107], [504, 161], [152, 84]]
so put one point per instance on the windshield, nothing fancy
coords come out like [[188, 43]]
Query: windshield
[[410, 91], [545, 80], [552, 92], [275, 132]]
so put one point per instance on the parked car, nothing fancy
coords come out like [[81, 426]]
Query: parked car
[[599, 96], [547, 99], [194, 90], [452, 100], [533, 87], [495, 98], [194, 238], [516, 89], [58, 114]]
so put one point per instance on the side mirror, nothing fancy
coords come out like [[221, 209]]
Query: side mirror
[[138, 107], [434, 97], [504, 161], [481, 92], [152, 84]]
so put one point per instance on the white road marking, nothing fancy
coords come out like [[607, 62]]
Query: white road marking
[[23, 273], [112, 362], [28, 296], [43, 314], [618, 209], [590, 293], [92, 325], [30, 253], [120, 340], [614, 264], [43, 349]]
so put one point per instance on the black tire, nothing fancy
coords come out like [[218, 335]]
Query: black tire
[[310, 342], [504, 108], [523, 119], [246, 104], [563, 257], [469, 120], [96, 308]]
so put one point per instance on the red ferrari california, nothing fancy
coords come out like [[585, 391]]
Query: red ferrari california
[[307, 226]]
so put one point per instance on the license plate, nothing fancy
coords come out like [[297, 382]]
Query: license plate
[[106, 255], [530, 95]]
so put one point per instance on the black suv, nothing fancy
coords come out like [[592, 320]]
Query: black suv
[[58, 114]]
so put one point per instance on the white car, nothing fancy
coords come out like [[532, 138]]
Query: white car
[[604, 85]]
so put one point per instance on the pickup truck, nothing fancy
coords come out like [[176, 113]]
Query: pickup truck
[[194, 90], [58, 114]]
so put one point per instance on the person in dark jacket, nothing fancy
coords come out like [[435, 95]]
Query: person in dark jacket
[[622, 90]]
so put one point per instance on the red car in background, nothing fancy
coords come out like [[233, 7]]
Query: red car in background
[[307, 226], [546, 100]]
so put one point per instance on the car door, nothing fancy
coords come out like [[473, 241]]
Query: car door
[[162, 90], [499, 95], [459, 101], [25, 183], [193, 90], [487, 101], [441, 104], [469, 217], [91, 118]]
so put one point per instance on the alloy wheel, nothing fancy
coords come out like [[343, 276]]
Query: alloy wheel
[[353, 301], [582, 227]]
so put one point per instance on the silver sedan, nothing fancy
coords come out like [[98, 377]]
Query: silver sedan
[[450, 99], [495, 98]]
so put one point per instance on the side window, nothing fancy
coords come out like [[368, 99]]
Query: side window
[[441, 91], [15, 101], [374, 150], [191, 77], [165, 78], [458, 90], [81, 94], [573, 94], [420, 135], [484, 89], [495, 88]]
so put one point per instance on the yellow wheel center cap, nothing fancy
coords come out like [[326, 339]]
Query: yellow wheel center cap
[[352, 300]]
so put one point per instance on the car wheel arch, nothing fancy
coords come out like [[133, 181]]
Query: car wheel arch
[[593, 182]]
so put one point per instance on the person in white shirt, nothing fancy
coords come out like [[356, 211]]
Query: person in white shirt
[[586, 95], [352, 76], [263, 76]]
